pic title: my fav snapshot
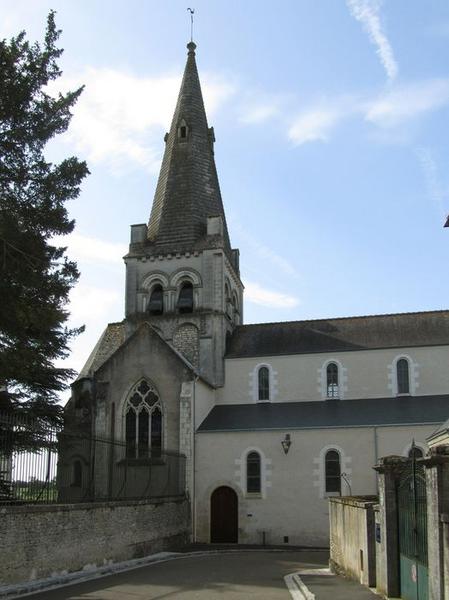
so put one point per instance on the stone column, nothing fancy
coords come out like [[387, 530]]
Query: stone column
[[445, 521], [388, 580], [186, 432], [437, 489]]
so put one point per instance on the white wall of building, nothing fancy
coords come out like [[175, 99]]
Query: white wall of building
[[293, 501], [362, 374]]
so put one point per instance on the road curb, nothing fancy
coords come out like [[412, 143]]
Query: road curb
[[22, 590]]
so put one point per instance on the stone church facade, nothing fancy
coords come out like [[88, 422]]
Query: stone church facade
[[273, 418]]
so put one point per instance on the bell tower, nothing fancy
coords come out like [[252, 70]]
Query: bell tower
[[181, 273]]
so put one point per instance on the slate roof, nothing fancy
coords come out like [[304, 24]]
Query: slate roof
[[441, 429], [342, 334], [187, 191], [325, 414], [111, 339]]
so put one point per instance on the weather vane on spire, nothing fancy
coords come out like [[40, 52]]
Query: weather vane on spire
[[192, 12]]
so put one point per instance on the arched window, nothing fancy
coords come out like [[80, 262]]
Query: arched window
[[332, 380], [415, 452], [185, 298], [264, 383], [143, 422], [235, 309], [156, 304], [77, 474], [228, 308], [403, 376], [332, 471], [253, 473]]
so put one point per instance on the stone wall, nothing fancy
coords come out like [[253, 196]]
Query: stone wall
[[186, 340], [41, 541], [352, 544]]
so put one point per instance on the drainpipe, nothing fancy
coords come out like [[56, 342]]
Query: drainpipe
[[193, 445], [376, 455]]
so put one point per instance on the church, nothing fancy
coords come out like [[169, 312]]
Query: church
[[272, 418]]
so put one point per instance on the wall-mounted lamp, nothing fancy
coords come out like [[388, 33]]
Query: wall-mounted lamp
[[286, 443]]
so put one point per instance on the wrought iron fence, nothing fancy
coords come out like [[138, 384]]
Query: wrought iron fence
[[43, 464]]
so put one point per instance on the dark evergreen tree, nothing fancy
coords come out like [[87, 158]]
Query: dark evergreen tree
[[35, 275]]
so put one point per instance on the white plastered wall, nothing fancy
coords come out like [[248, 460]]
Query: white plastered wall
[[253, 389], [413, 374], [294, 505], [364, 374]]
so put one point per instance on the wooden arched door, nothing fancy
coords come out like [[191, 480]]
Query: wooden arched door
[[224, 519]]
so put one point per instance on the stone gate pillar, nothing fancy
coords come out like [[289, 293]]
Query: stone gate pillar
[[388, 581], [437, 489]]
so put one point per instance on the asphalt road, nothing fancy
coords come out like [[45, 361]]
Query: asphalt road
[[229, 576]]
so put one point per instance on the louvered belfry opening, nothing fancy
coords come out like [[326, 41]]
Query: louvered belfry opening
[[185, 300], [156, 304]]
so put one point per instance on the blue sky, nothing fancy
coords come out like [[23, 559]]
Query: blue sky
[[331, 119]]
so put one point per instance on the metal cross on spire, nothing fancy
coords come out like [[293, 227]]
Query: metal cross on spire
[[192, 12]]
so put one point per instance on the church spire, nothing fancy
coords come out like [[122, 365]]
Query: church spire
[[187, 191]]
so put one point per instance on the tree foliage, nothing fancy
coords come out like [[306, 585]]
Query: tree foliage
[[35, 274]]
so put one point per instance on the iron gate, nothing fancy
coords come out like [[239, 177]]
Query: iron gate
[[412, 524]]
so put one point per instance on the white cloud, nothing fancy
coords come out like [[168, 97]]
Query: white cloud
[[387, 111], [257, 294], [259, 113], [88, 303], [408, 101], [92, 250], [367, 12], [120, 117], [313, 125], [263, 252], [93, 306], [436, 192]]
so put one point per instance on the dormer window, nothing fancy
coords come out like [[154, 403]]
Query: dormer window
[[183, 131], [156, 304], [185, 298]]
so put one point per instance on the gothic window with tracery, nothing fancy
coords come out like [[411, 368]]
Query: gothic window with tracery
[[143, 422]]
